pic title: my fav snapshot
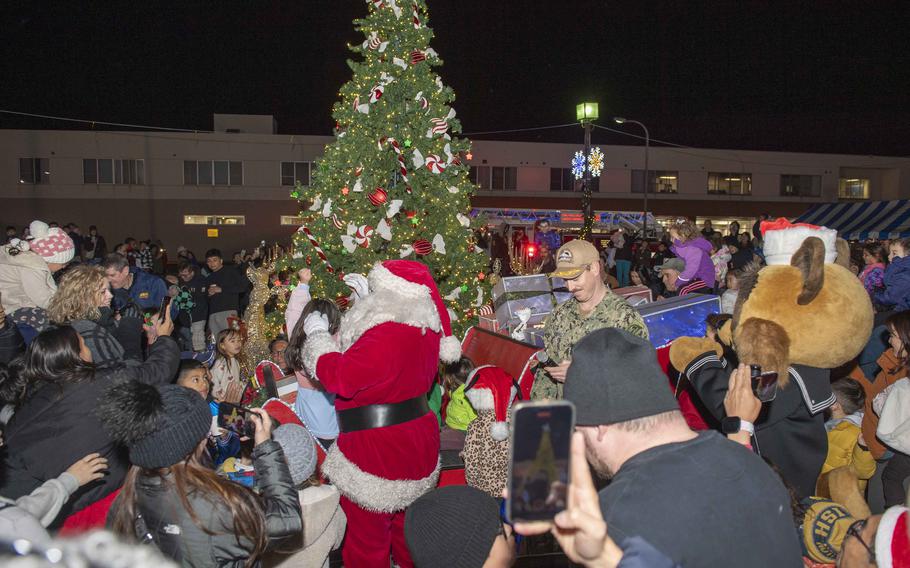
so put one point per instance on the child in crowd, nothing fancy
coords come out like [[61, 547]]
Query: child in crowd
[[691, 246], [324, 522], [27, 517], [458, 411], [314, 406], [720, 256], [845, 444], [728, 298], [191, 302], [227, 384], [191, 514], [490, 391], [895, 290], [223, 444]]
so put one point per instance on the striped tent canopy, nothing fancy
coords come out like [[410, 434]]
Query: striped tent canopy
[[864, 220]]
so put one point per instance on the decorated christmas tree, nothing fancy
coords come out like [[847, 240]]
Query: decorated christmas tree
[[394, 183]]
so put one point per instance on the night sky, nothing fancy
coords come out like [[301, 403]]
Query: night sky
[[756, 75]]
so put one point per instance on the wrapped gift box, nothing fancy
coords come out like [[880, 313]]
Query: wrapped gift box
[[514, 293], [490, 323], [677, 317], [635, 295]]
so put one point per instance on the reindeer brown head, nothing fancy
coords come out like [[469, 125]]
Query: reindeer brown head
[[809, 313]]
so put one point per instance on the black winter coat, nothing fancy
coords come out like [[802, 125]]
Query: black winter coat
[[790, 431], [11, 342], [162, 511], [56, 426]]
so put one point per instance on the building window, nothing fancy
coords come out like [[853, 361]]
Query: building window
[[800, 186], [480, 176], [504, 179], [98, 171], [292, 220], [561, 179], [214, 220], [208, 172], [121, 172], [661, 181], [853, 188], [34, 170], [292, 172], [730, 183]]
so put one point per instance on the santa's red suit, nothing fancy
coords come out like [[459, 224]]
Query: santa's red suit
[[389, 348]]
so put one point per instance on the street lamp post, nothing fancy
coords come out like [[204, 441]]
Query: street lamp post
[[644, 222], [586, 113]]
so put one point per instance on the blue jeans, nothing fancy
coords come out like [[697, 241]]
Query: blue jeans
[[623, 267]]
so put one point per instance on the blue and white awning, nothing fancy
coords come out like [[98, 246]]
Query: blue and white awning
[[861, 221]]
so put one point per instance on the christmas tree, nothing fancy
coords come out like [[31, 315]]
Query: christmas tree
[[394, 183]]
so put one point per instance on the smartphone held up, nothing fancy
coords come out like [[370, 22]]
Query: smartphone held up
[[538, 481], [764, 384]]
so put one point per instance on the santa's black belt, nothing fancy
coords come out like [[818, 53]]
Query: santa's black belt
[[382, 415]]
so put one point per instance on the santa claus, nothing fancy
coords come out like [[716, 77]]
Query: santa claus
[[380, 369]]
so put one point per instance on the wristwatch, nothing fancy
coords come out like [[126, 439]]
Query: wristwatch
[[735, 425]]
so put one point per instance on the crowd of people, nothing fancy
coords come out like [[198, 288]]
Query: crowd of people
[[126, 409]]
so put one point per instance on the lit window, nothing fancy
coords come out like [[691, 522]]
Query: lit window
[[661, 181], [214, 220], [34, 170], [293, 220], [292, 172], [853, 188], [731, 183]]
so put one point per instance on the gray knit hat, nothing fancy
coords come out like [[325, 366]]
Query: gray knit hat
[[160, 425], [299, 450], [614, 377], [453, 526]]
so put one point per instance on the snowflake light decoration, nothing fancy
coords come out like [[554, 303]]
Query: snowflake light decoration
[[596, 162], [578, 165]]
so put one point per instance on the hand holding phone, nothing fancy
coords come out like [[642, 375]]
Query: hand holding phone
[[538, 479], [763, 383]]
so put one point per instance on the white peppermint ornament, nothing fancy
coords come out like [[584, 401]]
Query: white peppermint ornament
[[463, 219], [399, 62], [454, 294], [317, 203], [417, 158], [452, 189], [479, 301], [405, 250], [327, 208], [394, 208], [347, 241], [358, 187], [439, 244], [384, 230]]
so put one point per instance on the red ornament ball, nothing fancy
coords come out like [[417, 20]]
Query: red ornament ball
[[378, 196], [423, 247], [410, 214]]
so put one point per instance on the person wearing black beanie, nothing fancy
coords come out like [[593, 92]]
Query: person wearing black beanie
[[194, 517]]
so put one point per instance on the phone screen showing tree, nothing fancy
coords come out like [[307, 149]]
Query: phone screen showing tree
[[539, 472]]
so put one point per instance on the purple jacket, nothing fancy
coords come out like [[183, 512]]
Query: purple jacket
[[697, 254]]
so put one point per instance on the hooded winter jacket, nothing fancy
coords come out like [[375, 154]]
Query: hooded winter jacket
[[897, 285], [25, 280], [697, 254], [171, 527]]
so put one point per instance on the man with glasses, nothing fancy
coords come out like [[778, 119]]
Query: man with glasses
[[592, 306]]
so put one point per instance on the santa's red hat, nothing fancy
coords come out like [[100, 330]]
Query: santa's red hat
[[892, 544], [413, 282], [490, 388]]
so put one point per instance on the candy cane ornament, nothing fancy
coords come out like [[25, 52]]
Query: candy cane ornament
[[401, 167], [319, 251]]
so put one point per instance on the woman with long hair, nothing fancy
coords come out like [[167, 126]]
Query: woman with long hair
[[172, 499], [873, 274], [54, 422], [83, 301]]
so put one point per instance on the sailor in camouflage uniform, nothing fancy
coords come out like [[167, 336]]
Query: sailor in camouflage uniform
[[593, 306]]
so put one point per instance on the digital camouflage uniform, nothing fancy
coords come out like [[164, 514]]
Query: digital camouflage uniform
[[565, 326]]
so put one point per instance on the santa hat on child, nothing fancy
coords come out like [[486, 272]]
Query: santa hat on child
[[50, 243], [413, 282], [892, 543], [783, 238], [490, 388]]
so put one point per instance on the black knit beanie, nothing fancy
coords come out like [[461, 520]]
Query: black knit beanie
[[452, 526], [160, 425], [615, 377]]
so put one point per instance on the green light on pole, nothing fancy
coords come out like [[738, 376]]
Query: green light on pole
[[586, 112]]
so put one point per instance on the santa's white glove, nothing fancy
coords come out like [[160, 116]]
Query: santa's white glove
[[359, 284], [315, 322]]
